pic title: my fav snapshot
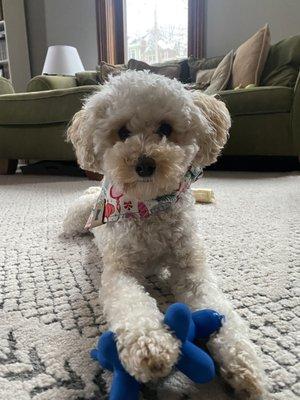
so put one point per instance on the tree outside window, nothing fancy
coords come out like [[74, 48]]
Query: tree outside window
[[156, 30]]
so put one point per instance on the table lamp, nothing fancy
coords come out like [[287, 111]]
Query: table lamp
[[62, 60]]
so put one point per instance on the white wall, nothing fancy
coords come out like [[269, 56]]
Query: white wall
[[69, 22], [230, 22], [16, 36], [36, 32], [73, 22]]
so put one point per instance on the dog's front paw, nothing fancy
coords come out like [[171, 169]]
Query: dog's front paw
[[244, 373], [246, 385], [150, 355]]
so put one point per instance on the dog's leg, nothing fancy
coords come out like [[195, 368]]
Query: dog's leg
[[79, 211], [146, 348], [193, 283]]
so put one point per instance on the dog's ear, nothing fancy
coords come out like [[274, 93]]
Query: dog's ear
[[211, 122], [80, 135]]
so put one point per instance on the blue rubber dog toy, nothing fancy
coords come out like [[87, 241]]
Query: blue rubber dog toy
[[194, 362], [124, 386]]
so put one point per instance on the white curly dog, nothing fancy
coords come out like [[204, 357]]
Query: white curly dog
[[144, 132]]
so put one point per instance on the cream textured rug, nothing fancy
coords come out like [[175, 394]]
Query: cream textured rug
[[49, 312]]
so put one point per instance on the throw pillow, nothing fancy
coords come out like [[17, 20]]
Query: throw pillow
[[250, 58], [184, 75], [285, 75], [202, 63], [203, 78], [221, 75], [104, 70], [87, 78], [168, 70], [282, 65]]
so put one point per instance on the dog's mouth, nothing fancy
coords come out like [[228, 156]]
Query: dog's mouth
[[145, 180]]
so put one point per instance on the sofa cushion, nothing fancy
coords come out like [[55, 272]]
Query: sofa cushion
[[282, 65], [250, 59], [220, 78], [259, 100], [50, 82], [47, 107]]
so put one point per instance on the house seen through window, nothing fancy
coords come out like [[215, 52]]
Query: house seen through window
[[156, 30]]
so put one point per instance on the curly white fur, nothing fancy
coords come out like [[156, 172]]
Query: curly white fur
[[134, 249]]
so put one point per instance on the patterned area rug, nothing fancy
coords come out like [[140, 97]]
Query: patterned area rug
[[49, 312]]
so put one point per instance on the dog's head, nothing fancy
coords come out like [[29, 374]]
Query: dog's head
[[144, 131]]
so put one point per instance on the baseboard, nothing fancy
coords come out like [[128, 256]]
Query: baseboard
[[256, 163]]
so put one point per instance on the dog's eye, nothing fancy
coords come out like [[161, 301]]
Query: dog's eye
[[164, 129], [123, 133]]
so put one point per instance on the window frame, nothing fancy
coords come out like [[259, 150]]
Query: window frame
[[110, 16], [110, 30]]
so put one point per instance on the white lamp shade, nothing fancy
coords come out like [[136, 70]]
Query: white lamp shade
[[62, 60]]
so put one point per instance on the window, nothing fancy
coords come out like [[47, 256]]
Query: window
[[156, 30], [149, 30]]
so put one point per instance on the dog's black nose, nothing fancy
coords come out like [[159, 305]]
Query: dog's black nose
[[145, 166]]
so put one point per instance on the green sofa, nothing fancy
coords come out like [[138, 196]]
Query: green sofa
[[266, 119], [32, 125]]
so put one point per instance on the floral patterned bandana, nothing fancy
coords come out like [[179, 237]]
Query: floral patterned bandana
[[114, 205]]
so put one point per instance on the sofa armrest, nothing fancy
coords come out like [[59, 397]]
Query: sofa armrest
[[44, 107], [5, 86], [295, 122], [50, 82]]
